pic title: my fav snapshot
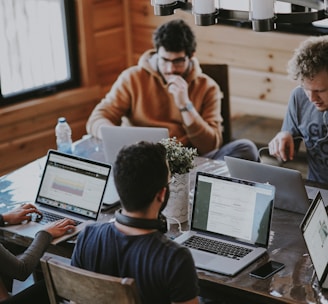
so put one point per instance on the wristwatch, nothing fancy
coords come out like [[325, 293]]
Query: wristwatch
[[189, 106]]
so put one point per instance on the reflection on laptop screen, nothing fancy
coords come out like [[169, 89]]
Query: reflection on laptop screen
[[241, 210], [73, 185]]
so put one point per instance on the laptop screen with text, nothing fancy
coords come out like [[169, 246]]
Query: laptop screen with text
[[241, 210]]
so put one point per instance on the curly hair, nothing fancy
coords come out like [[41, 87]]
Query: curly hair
[[309, 59], [175, 36], [140, 171]]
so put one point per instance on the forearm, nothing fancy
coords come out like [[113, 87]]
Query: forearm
[[203, 136], [95, 123], [188, 113], [22, 266], [98, 118], [205, 131], [108, 112]]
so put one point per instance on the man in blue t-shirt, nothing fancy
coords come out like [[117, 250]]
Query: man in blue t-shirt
[[306, 117], [134, 245]]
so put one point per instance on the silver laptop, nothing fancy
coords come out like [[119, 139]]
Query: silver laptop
[[71, 187], [291, 192], [314, 229], [115, 138], [229, 213]]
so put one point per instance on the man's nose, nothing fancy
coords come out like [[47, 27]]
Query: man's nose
[[170, 68], [313, 95]]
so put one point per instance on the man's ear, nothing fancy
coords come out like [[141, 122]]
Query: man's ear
[[161, 194]]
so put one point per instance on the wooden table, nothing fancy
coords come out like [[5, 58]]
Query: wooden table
[[296, 283]]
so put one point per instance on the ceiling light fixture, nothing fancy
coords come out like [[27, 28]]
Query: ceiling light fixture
[[261, 12]]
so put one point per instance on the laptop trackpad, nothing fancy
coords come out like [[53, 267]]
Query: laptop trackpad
[[202, 259], [26, 229]]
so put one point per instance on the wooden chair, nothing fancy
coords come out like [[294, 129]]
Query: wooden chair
[[68, 283], [220, 73]]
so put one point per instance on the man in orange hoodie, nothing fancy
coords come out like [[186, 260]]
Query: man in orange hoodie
[[168, 89]]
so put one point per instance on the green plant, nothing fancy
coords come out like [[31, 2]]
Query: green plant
[[180, 158]]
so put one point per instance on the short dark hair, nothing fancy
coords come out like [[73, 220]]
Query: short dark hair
[[175, 36], [140, 171]]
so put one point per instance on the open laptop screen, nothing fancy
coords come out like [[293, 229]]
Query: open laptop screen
[[233, 208], [73, 184], [116, 137], [315, 232]]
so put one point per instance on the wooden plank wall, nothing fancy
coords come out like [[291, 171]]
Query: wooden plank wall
[[112, 34], [28, 130], [257, 61]]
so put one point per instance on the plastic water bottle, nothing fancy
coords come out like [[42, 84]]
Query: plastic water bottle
[[63, 136]]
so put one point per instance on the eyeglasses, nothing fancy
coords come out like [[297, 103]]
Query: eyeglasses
[[177, 62]]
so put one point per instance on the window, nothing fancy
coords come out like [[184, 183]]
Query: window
[[38, 52]]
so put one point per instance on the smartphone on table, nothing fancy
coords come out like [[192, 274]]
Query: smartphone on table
[[267, 270]]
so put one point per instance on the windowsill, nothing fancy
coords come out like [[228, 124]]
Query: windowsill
[[68, 97]]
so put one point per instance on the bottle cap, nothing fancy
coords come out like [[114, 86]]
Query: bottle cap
[[61, 119]]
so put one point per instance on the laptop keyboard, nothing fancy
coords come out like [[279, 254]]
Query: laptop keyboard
[[50, 217], [217, 247]]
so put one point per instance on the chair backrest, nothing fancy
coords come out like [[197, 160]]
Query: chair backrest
[[81, 286], [220, 73]]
